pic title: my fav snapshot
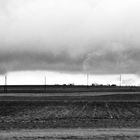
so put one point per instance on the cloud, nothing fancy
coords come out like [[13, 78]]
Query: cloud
[[113, 61], [98, 36]]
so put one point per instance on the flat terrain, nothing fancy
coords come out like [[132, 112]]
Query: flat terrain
[[64, 89], [69, 93], [73, 97], [71, 134], [58, 114], [76, 113]]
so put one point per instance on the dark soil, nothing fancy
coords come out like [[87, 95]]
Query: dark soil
[[33, 115]]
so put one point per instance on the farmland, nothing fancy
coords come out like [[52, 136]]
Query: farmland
[[72, 134], [64, 89], [42, 115], [57, 120], [29, 112], [69, 93], [90, 107]]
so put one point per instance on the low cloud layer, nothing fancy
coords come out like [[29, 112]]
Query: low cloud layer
[[97, 36]]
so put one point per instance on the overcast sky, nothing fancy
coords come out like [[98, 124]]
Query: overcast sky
[[101, 37]]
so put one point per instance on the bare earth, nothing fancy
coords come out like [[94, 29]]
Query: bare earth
[[71, 134], [78, 119]]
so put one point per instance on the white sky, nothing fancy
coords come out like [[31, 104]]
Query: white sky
[[38, 78]]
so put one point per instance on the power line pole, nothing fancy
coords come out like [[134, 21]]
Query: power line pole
[[45, 83], [5, 89], [87, 79], [120, 80]]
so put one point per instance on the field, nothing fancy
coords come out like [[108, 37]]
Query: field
[[87, 114], [65, 89], [57, 120], [72, 97], [71, 134], [42, 115]]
